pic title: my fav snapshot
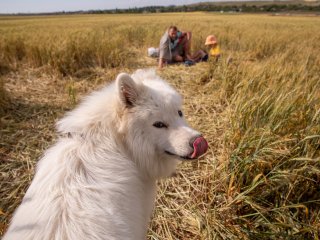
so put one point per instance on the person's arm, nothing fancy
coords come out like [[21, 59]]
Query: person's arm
[[187, 35], [164, 51], [161, 63], [185, 40]]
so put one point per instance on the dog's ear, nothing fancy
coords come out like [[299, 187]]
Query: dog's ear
[[128, 89]]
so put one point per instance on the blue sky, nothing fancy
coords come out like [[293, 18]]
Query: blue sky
[[35, 6]]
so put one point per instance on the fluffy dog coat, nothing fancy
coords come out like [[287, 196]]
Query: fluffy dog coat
[[98, 180]]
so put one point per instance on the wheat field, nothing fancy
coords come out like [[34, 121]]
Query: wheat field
[[258, 107]]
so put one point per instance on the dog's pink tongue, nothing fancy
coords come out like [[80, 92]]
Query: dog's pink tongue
[[200, 146]]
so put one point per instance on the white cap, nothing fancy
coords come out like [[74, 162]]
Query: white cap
[[153, 52]]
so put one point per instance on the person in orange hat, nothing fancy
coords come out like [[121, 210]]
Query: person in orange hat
[[212, 43]]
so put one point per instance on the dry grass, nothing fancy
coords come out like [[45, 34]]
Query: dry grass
[[260, 113]]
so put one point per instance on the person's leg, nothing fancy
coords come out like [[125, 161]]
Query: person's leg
[[178, 58], [198, 55]]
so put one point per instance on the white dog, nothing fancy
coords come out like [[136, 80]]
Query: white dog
[[98, 181]]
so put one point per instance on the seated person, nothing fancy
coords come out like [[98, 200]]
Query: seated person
[[174, 46], [212, 43], [214, 51]]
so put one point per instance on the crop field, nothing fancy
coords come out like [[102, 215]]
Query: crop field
[[258, 107]]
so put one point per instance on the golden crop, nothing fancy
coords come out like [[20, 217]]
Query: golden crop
[[259, 107]]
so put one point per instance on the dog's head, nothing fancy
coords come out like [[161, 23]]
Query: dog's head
[[153, 124], [140, 116]]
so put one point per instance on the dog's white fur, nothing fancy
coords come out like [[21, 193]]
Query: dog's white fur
[[98, 180]]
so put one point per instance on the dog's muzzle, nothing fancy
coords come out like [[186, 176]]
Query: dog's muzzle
[[199, 145]]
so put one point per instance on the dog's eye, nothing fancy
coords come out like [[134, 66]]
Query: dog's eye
[[180, 113], [160, 125]]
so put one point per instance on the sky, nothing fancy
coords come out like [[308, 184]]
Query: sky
[[36, 6]]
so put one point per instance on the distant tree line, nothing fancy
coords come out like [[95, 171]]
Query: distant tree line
[[248, 7], [216, 8], [219, 7]]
